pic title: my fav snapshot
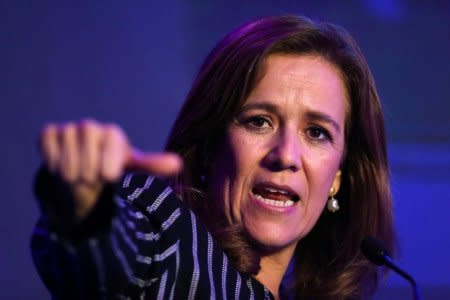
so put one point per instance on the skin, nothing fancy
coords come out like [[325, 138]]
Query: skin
[[289, 134]]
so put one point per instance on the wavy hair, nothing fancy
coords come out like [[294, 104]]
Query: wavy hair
[[327, 263]]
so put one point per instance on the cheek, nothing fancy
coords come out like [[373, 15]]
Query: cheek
[[320, 169], [244, 146], [231, 173], [319, 180], [245, 152]]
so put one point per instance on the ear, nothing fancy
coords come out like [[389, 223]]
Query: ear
[[336, 183]]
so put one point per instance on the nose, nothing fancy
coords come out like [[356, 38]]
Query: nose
[[286, 153]]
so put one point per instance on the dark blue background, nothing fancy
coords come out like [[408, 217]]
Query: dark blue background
[[132, 62]]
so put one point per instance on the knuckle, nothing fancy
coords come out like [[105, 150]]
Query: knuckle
[[69, 126], [111, 129], [88, 125], [68, 131], [48, 132], [114, 135]]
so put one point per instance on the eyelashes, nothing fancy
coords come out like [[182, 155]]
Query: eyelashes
[[258, 123], [319, 133]]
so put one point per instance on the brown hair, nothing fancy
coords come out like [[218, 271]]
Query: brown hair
[[327, 262]]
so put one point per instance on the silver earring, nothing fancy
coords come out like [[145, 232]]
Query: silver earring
[[332, 204]]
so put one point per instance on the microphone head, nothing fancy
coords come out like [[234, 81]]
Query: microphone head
[[374, 250]]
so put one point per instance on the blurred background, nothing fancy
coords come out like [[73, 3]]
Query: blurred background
[[132, 63]]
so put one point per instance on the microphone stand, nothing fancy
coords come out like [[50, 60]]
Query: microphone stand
[[390, 264], [374, 251]]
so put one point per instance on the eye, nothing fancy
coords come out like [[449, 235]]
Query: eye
[[258, 122], [318, 133]]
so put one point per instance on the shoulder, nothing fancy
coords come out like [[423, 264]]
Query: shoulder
[[185, 254]]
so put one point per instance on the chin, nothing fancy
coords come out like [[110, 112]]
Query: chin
[[270, 238]]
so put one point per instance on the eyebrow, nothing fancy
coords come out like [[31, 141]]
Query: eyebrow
[[311, 115], [319, 116], [261, 105]]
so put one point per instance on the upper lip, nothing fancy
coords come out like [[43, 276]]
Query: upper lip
[[279, 187]]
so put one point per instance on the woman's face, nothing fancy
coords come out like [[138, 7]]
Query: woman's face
[[282, 151]]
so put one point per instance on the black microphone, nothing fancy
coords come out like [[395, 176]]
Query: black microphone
[[375, 251]]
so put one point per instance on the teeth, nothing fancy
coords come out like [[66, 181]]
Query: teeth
[[272, 202], [276, 191]]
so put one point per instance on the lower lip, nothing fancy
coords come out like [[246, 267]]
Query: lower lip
[[271, 208]]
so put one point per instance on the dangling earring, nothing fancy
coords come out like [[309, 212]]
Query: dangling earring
[[332, 204]]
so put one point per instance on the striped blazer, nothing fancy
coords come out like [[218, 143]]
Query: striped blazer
[[147, 245]]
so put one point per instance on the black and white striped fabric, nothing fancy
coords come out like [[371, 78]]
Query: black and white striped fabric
[[154, 247]]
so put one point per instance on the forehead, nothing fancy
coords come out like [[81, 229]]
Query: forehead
[[302, 73]]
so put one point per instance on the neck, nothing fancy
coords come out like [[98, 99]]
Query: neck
[[273, 268]]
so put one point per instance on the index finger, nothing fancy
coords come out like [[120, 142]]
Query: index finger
[[164, 164]]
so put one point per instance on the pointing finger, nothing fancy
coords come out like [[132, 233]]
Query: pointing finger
[[159, 164]]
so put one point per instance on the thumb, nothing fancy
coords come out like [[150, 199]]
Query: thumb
[[163, 164]]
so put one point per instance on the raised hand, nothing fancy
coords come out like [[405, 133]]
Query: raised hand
[[89, 154]]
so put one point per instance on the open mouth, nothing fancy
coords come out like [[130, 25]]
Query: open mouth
[[275, 196]]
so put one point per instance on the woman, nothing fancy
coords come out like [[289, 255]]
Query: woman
[[284, 153]]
